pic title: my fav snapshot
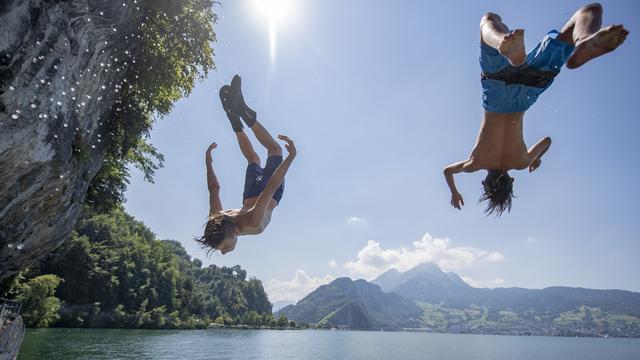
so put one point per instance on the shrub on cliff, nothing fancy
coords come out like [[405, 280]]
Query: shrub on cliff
[[165, 57], [39, 305]]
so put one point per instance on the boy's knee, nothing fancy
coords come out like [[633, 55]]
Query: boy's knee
[[275, 149], [490, 17], [594, 8]]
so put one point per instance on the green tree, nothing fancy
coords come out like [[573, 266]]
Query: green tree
[[162, 60], [283, 321], [157, 317], [40, 306]]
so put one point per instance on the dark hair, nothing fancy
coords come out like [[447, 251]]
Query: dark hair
[[217, 229], [498, 191]]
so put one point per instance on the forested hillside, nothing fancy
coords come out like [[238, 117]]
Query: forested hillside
[[113, 272]]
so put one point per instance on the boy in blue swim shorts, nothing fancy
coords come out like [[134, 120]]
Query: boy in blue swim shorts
[[512, 80], [263, 187]]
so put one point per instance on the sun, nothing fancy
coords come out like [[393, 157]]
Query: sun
[[276, 13], [273, 10]]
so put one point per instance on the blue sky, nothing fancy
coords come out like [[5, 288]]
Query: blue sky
[[379, 96]]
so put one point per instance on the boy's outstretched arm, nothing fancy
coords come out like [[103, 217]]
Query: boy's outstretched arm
[[535, 153], [461, 166], [215, 204], [276, 179]]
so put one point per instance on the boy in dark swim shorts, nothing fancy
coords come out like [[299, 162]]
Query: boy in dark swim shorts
[[257, 177], [263, 187], [512, 80]]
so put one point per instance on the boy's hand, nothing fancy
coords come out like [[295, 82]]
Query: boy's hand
[[535, 164], [209, 150], [290, 146], [457, 201]]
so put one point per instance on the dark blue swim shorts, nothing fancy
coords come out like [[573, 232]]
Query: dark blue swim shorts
[[257, 177], [506, 88]]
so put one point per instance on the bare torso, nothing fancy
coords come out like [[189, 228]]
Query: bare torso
[[500, 144], [251, 222]]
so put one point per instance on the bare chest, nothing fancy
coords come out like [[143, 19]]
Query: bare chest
[[255, 222]]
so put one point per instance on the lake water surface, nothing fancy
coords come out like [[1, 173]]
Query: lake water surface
[[312, 344]]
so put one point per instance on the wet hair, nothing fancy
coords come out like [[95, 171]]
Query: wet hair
[[218, 228], [498, 192]]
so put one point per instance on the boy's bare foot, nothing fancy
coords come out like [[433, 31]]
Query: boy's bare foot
[[512, 47], [600, 43]]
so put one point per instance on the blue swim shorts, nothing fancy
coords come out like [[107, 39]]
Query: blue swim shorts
[[506, 88], [257, 177]]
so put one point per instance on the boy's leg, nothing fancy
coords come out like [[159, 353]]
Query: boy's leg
[[273, 148], [250, 118], [496, 34], [246, 148], [583, 30]]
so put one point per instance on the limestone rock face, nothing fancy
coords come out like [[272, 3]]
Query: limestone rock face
[[59, 75]]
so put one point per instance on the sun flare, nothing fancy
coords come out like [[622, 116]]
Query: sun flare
[[276, 13], [274, 10]]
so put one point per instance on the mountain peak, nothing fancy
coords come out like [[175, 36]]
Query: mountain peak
[[425, 278], [426, 267], [355, 304]]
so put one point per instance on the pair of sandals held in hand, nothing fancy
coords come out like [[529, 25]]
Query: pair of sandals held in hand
[[234, 105]]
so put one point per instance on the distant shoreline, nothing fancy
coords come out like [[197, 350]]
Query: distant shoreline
[[250, 327]]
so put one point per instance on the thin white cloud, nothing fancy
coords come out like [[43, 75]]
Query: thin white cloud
[[373, 260], [531, 239], [354, 220], [483, 283], [296, 288], [494, 257], [332, 264]]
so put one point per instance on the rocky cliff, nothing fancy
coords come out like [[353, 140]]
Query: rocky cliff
[[80, 83], [58, 70]]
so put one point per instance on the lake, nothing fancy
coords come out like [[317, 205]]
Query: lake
[[312, 344]]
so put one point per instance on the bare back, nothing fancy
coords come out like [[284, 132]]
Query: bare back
[[500, 144]]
